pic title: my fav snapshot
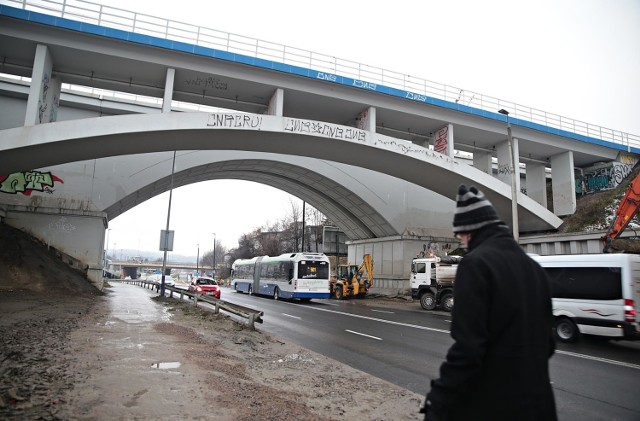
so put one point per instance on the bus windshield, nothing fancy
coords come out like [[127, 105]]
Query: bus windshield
[[313, 270]]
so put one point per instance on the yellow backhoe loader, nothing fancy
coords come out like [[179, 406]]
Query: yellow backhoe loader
[[353, 280]]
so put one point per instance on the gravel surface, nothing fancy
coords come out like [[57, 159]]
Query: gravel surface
[[70, 352]]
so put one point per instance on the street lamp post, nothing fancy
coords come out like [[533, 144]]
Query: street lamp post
[[165, 246], [514, 174], [198, 261]]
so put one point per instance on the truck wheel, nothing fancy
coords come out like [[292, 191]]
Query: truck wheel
[[276, 293], [447, 302], [565, 330], [428, 301], [338, 292]]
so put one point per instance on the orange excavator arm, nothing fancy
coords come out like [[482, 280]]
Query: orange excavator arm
[[627, 209]]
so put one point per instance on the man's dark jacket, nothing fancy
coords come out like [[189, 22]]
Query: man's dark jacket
[[497, 369]]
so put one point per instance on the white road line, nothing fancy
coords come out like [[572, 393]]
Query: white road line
[[363, 334], [603, 360], [384, 311], [571, 354], [379, 320], [293, 317]]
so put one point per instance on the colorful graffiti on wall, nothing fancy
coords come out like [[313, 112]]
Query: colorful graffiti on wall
[[27, 182], [602, 177]]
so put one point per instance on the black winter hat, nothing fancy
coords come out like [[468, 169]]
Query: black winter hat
[[473, 210]]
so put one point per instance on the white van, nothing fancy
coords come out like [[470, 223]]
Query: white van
[[594, 294]]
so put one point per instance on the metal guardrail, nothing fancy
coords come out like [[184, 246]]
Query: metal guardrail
[[252, 316], [121, 19]]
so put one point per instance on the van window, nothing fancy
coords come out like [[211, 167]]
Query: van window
[[592, 283]]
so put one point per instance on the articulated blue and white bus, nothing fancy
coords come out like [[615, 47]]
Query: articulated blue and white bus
[[297, 275]]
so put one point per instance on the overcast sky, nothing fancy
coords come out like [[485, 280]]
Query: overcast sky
[[576, 58]]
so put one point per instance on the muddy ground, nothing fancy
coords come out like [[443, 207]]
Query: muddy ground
[[64, 356]]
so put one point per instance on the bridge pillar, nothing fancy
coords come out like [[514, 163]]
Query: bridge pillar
[[563, 184], [443, 142], [537, 182], [482, 161], [44, 92], [392, 258], [168, 90], [367, 119], [77, 236], [276, 103]]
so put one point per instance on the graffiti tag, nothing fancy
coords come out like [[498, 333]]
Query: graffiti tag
[[441, 143], [327, 76], [27, 182], [365, 85], [324, 129], [602, 178], [234, 120], [416, 97], [207, 82]]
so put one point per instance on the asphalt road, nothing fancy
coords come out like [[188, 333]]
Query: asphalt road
[[593, 380]]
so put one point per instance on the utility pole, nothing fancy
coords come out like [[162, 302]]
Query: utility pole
[[514, 174]]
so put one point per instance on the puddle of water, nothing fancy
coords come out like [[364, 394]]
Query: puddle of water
[[166, 366]]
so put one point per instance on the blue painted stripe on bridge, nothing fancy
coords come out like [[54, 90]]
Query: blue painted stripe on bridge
[[291, 69]]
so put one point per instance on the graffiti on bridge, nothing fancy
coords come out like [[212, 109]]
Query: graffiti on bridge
[[27, 182], [602, 178]]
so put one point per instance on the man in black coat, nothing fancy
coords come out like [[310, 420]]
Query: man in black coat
[[498, 367]]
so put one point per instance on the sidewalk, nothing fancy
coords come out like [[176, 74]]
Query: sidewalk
[[135, 370]]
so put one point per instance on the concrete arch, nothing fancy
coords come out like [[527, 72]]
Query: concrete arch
[[39, 146], [342, 206]]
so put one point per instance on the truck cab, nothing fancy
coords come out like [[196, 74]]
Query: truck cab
[[432, 280]]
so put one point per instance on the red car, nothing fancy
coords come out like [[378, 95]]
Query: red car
[[206, 286]]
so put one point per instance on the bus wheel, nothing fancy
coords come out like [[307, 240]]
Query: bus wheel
[[447, 302], [428, 301], [565, 330], [338, 292], [276, 293]]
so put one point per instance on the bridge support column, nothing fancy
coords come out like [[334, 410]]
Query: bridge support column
[[443, 141], [482, 161], [168, 90], [392, 259], [537, 182], [367, 119], [563, 184], [77, 236], [44, 93], [276, 103]]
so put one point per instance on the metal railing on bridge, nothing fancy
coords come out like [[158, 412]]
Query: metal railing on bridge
[[252, 316], [121, 19]]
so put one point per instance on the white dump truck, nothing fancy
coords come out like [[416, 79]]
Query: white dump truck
[[432, 281]]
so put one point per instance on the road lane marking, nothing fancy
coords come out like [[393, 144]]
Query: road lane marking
[[571, 354], [603, 360], [384, 311], [375, 319], [363, 334], [293, 317]]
